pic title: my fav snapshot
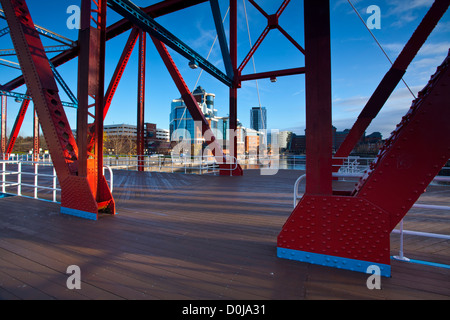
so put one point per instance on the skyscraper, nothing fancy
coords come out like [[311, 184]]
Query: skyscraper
[[180, 118], [258, 118]]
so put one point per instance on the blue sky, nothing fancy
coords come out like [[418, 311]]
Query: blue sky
[[358, 65]]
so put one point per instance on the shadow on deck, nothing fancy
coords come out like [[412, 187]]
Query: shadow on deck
[[196, 237]]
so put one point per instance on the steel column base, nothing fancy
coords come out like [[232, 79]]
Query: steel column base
[[227, 170], [332, 261], [340, 228], [79, 213]]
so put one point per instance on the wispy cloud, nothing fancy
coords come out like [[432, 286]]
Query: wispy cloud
[[405, 11], [436, 48]]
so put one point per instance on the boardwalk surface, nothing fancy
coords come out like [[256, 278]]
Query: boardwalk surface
[[182, 236]]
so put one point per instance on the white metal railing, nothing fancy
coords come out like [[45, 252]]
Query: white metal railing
[[195, 164], [183, 164], [29, 157], [400, 231], [34, 173], [18, 183], [352, 164]]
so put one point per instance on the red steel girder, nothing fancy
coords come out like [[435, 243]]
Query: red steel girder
[[318, 98], [3, 148], [120, 68], [17, 125], [141, 100], [392, 77], [35, 136], [91, 69], [272, 23], [233, 90], [270, 74], [121, 26]]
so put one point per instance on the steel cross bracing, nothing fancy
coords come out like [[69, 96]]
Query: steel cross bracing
[[24, 96], [113, 31], [48, 49], [145, 22], [46, 33]]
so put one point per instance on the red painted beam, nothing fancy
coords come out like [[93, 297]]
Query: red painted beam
[[255, 47], [86, 85], [186, 94], [233, 90], [17, 125], [272, 22], [3, 126], [141, 100], [270, 74], [103, 192], [318, 97], [120, 68], [261, 10], [35, 136]]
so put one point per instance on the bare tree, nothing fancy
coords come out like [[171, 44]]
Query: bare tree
[[119, 144]]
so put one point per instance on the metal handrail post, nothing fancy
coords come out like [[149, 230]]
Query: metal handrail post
[[401, 256], [54, 184], [19, 178], [3, 177], [36, 172]]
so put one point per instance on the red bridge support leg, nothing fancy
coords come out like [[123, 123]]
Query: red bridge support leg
[[3, 128], [141, 101], [322, 228], [84, 191]]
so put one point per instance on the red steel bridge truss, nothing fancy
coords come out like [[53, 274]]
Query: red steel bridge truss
[[347, 230]]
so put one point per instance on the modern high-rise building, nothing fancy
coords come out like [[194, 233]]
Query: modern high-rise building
[[180, 118], [181, 123], [258, 118]]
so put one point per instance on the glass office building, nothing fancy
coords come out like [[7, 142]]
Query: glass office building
[[258, 118], [180, 118]]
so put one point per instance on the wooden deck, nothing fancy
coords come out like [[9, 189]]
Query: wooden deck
[[197, 237]]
